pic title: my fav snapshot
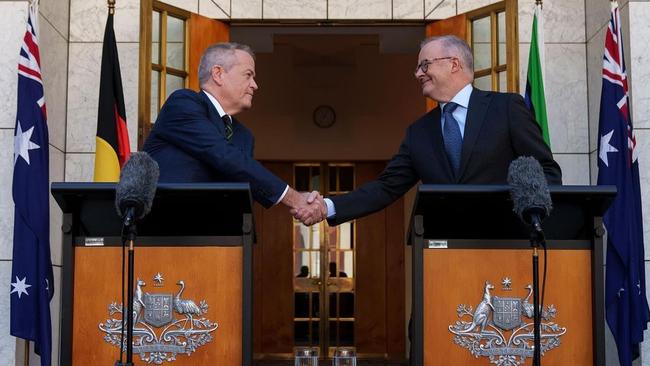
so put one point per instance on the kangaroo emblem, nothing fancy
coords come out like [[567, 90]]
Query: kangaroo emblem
[[482, 312]]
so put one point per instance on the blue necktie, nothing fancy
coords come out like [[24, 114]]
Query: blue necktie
[[453, 138]]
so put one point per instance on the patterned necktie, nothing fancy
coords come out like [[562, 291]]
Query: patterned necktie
[[453, 138], [227, 121]]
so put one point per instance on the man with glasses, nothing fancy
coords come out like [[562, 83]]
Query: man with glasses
[[470, 138]]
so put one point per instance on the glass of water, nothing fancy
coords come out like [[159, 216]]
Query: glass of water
[[344, 357], [306, 356]]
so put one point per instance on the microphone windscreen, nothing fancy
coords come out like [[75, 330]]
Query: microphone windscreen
[[137, 186], [529, 188]]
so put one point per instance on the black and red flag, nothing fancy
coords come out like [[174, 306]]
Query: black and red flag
[[112, 139]]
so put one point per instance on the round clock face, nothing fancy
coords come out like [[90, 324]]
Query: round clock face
[[324, 116]]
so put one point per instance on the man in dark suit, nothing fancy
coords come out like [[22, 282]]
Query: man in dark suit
[[196, 139], [470, 138]]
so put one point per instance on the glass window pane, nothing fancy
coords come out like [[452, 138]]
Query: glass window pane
[[501, 27], [333, 338], [333, 234], [332, 178], [301, 305], [301, 178], [301, 333], [345, 235], [175, 43], [315, 264], [315, 179], [347, 266], [302, 269], [346, 178], [482, 56], [155, 37], [172, 83], [346, 305], [315, 236], [481, 30], [503, 81], [481, 43], [484, 83], [333, 266], [315, 332], [155, 90], [300, 236], [346, 333]]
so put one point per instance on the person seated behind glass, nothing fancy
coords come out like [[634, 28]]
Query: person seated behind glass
[[304, 271], [333, 271]]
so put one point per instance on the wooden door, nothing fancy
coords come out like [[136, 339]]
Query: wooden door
[[299, 300], [203, 33]]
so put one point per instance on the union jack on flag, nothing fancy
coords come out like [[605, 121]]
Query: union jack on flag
[[626, 306], [32, 285]]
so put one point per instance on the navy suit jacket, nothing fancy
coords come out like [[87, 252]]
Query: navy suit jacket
[[498, 129], [188, 143]]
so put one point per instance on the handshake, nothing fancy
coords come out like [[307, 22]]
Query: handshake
[[308, 207]]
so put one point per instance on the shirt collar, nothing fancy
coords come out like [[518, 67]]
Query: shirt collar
[[216, 104], [462, 97]]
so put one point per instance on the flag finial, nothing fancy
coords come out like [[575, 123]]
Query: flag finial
[[538, 2], [111, 6]]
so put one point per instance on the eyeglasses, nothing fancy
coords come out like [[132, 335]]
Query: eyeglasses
[[424, 65]]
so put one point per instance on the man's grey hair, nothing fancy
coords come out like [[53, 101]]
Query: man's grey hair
[[222, 54], [455, 46]]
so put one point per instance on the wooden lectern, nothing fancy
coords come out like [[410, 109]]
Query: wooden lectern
[[193, 270], [472, 267]]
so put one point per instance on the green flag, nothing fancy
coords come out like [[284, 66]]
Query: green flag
[[535, 99]]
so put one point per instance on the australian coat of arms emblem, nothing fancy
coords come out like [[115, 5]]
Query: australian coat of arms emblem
[[164, 325], [501, 328]]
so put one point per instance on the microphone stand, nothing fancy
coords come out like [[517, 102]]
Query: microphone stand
[[536, 239], [130, 236]]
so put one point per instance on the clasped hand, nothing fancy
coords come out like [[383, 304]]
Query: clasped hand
[[310, 208]]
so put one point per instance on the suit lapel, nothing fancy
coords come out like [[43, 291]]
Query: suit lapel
[[476, 114], [438, 144]]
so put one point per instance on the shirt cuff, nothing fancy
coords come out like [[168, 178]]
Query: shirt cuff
[[286, 189], [331, 210]]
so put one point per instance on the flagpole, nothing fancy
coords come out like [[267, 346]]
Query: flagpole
[[26, 363]]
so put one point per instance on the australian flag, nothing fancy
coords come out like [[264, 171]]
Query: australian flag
[[32, 285], [626, 305]]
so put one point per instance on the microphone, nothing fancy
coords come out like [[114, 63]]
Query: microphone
[[529, 191], [137, 187]]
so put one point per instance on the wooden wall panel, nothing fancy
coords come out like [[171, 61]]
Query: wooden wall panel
[[258, 276], [371, 298], [395, 281], [213, 274], [457, 276], [275, 242]]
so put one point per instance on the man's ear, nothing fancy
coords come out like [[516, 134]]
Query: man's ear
[[456, 65], [217, 74]]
